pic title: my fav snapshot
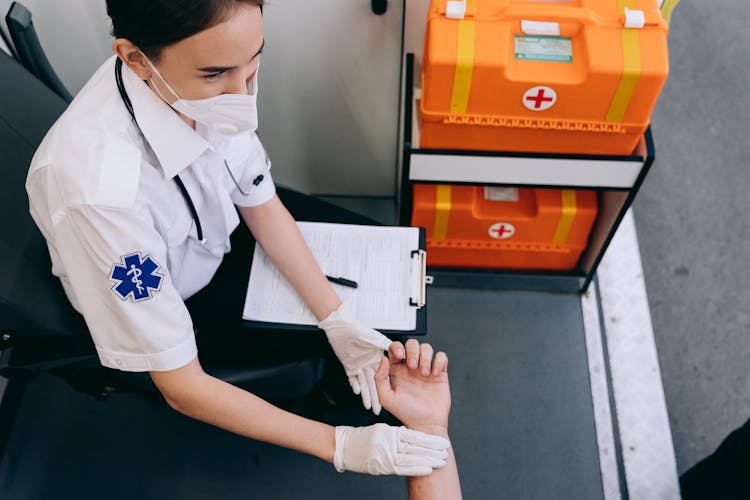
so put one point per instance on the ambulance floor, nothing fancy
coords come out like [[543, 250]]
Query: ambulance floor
[[522, 424]]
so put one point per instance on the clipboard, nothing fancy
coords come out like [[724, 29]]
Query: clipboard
[[401, 247]]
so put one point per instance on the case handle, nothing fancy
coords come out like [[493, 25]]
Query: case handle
[[553, 13], [580, 15]]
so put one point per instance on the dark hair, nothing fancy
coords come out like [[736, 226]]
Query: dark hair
[[154, 24]]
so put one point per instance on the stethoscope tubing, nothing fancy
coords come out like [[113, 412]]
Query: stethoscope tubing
[[180, 185]]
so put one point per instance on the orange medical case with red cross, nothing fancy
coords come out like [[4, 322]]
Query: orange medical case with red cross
[[566, 76], [504, 228]]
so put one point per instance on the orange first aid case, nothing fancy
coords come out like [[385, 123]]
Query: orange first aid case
[[576, 76], [504, 228]]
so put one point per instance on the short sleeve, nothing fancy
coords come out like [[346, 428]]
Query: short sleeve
[[255, 165], [116, 266]]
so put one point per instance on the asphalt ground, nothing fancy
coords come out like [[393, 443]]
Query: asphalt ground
[[693, 226]]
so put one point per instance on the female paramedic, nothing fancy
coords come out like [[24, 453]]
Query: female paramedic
[[136, 189]]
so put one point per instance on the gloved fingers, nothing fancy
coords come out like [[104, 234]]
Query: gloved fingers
[[412, 353], [378, 339], [355, 384], [421, 451], [425, 359], [441, 363], [376, 407], [405, 460], [413, 471], [365, 390], [423, 440]]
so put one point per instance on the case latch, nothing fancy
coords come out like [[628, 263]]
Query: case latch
[[456, 9], [634, 18]]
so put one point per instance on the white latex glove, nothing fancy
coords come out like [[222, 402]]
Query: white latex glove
[[359, 349], [383, 449]]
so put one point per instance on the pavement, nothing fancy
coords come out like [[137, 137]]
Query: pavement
[[693, 226]]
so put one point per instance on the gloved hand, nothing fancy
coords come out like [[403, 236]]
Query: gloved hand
[[359, 349], [383, 449]]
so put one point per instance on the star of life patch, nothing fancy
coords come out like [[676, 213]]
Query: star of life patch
[[136, 277]]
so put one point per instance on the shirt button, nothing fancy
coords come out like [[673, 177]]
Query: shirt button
[[119, 362], [105, 359]]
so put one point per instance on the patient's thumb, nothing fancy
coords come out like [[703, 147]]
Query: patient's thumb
[[381, 378], [383, 368]]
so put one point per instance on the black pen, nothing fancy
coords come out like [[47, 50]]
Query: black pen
[[342, 281]]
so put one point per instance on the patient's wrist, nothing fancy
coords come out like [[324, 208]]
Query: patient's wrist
[[434, 429]]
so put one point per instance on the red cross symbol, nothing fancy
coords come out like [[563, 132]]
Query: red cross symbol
[[502, 231], [539, 98], [499, 232]]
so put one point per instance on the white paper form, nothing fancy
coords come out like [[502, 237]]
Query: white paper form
[[377, 258]]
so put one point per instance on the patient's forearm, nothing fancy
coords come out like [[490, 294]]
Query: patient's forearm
[[221, 404], [442, 484]]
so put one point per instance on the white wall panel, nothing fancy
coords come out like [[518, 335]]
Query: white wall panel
[[74, 34], [329, 84], [329, 90], [415, 23]]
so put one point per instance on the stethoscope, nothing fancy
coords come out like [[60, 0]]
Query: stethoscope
[[178, 181]]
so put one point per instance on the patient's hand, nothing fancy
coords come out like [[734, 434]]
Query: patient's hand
[[416, 390]]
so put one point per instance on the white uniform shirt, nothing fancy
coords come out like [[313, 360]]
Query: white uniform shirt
[[120, 234]]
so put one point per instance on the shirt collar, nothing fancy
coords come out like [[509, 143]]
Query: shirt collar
[[174, 143]]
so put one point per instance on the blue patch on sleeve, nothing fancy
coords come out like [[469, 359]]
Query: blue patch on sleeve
[[136, 277]]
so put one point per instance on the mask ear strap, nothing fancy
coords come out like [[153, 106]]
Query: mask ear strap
[[166, 83], [254, 82]]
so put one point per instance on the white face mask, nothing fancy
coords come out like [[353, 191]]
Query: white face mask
[[229, 114]]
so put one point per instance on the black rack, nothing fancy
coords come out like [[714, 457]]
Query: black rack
[[617, 179]]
